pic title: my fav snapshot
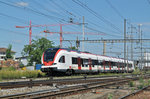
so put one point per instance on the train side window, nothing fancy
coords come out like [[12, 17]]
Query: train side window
[[85, 61], [100, 62], [62, 59], [74, 60]]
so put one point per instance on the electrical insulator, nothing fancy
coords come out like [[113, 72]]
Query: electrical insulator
[[71, 20]]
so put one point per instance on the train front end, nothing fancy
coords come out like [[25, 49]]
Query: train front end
[[48, 60]]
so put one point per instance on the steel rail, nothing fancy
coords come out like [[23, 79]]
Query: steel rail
[[58, 91], [30, 83], [134, 93], [72, 89]]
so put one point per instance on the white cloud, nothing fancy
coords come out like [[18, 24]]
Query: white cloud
[[23, 4]]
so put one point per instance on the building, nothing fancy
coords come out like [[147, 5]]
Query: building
[[3, 54], [23, 60], [144, 63]]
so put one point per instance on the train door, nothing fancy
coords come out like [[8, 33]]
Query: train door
[[104, 64], [68, 61], [90, 64], [118, 67], [110, 66], [79, 63], [62, 62]]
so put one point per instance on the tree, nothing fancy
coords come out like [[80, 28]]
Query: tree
[[8, 52], [35, 50], [73, 48]]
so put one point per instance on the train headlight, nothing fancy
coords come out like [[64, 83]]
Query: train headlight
[[54, 63]]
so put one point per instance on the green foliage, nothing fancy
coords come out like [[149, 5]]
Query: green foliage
[[148, 72], [110, 96], [133, 90], [21, 65], [73, 48], [11, 68], [140, 86], [8, 52], [41, 74], [136, 71], [141, 80], [10, 74], [148, 82], [131, 84], [35, 50]]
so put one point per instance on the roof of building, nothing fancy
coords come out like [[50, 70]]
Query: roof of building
[[4, 50]]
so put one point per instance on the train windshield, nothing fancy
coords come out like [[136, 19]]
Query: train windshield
[[49, 54]]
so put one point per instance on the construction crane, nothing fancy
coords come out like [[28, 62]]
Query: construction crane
[[45, 25], [47, 31]]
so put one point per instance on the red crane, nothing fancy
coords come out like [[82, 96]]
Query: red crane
[[45, 25]]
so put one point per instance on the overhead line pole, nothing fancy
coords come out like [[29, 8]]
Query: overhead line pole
[[30, 33], [125, 42], [60, 35], [131, 43], [83, 35]]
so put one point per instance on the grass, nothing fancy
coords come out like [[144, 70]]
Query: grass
[[9, 73]]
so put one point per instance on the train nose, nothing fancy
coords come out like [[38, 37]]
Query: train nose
[[48, 63]]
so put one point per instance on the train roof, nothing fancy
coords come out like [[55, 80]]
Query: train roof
[[70, 50]]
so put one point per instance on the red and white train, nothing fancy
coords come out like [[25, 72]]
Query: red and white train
[[71, 61]]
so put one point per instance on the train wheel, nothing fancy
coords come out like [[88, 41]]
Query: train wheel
[[69, 72]]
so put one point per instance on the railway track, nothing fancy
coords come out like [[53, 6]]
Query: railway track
[[30, 82], [60, 92], [137, 94]]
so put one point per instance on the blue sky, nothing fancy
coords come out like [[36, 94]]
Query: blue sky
[[101, 17]]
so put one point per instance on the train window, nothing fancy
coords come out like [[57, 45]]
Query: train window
[[100, 62], [94, 62], [49, 54], [122, 65], [106, 63], [62, 59], [74, 60], [129, 65], [85, 61], [113, 64]]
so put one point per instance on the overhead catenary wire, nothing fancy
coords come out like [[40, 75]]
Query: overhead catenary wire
[[117, 11], [15, 18], [34, 11], [97, 15], [91, 23], [44, 8]]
